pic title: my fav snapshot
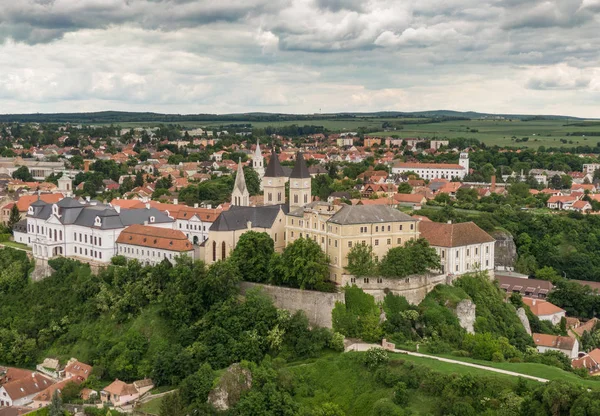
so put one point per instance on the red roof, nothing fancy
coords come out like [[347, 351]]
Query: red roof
[[154, 237], [415, 165]]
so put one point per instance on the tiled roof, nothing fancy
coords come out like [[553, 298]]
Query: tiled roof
[[368, 214], [274, 169], [542, 307], [46, 394], [554, 341], [120, 388], [27, 386], [453, 235], [79, 369], [26, 200], [154, 237]]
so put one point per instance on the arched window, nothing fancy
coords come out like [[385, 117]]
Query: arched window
[[214, 251], [295, 199], [305, 198], [223, 250], [279, 197]]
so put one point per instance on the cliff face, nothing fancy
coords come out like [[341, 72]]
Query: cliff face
[[505, 249]]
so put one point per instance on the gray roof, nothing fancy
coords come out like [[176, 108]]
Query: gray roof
[[300, 170], [237, 218], [74, 212], [274, 169], [240, 179], [368, 214]]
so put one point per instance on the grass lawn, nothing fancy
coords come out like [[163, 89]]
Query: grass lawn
[[16, 245], [534, 369], [153, 406], [342, 379]]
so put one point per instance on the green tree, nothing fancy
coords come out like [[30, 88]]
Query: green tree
[[23, 174], [15, 217], [547, 273], [303, 264], [195, 388], [55, 408], [404, 188], [415, 257], [221, 282], [252, 255], [172, 405], [361, 261]]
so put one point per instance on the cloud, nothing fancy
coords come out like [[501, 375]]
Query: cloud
[[300, 55], [559, 77]]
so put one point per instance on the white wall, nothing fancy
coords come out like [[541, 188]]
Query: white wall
[[146, 255], [465, 259]]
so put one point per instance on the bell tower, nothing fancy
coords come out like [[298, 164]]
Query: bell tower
[[300, 184], [273, 183], [240, 195], [258, 163]]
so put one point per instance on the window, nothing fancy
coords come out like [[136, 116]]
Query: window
[[456, 253], [389, 241], [376, 242], [476, 250], [100, 241], [379, 280], [295, 199], [366, 280], [292, 234], [86, 238], [335, 260], [349, 243], [214, 251], [487, 250], [468, 252], [443, 253], [275, 237], [335, 243], [412, 226], [377, 229], [400, 227], [389, 228], [457, 267], [487, 263], [399, 241]]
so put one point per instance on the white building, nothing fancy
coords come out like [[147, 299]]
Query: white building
[[83, 230], [545, 310], [590, 168], [258, 163], [567, 345], [435, 170], [462, 247], [152, 245], [20, 392]]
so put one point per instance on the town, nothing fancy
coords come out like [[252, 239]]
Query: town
[[386, 216]]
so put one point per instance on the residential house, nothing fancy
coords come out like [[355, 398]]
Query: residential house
[[590, 361], [151, 245], [462, 247], [119, 393], [545, 310], [567, 345], [21, 392], [44, 398]]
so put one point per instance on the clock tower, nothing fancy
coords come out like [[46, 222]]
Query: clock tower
[[273, 183], [300, 184]]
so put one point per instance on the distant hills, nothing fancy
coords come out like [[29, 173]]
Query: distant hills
[[121, 117]]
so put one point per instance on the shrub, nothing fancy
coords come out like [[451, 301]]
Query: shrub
[[336, 342], [119, 260], [376, 357], [385, 407], [400, 394]]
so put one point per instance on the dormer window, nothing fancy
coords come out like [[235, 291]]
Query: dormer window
[[30, 210], [97, 222], [152, 219], [55, 210]]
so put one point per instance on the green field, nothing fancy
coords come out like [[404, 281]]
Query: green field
[[13, 244], [152, 407], [493, 132]]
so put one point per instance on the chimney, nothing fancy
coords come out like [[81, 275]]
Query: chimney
[[533, 302], [196, 205], [175, 201], [249, 225], [493, 187], [147, 205], [87, 198], [449, 221], [145, 222]]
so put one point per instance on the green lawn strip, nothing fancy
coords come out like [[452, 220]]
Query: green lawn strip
[[152, 406], [16, 245], [533, 369]]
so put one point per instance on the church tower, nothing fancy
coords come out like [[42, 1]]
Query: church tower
[[300, 186], [240, 195], [273, 183], [464, 162], [258, 163]]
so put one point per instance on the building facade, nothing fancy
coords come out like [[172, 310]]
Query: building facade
[[151, 245], [436, 170], [462, 247]]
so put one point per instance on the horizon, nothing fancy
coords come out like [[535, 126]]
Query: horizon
[[300, 56]]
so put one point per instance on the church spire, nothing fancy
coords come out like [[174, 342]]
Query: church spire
[[240, 195]]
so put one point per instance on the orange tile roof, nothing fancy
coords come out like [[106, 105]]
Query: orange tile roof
[[453, 235], [27, 386], [26, 200], [120, 388], [411, 198], [554, 341], [541, 307], [79, 369], [588, 326], [154, 237], [46, 394]]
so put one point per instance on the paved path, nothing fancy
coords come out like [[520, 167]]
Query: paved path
[[365, 347]]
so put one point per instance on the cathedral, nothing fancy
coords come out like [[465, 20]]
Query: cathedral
[[285, 218]]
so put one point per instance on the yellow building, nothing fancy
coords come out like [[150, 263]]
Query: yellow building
[[337, 228]]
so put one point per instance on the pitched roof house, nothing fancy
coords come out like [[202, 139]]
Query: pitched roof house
[[567, 345], [21, 392], [545, 310]]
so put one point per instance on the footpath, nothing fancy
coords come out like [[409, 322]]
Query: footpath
[[365, 347]]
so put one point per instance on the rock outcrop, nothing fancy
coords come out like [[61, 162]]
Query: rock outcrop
[[234, 381], [465, 311], [524, 320], [505, 250]]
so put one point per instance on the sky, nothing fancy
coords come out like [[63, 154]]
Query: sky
[[300, 56]]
